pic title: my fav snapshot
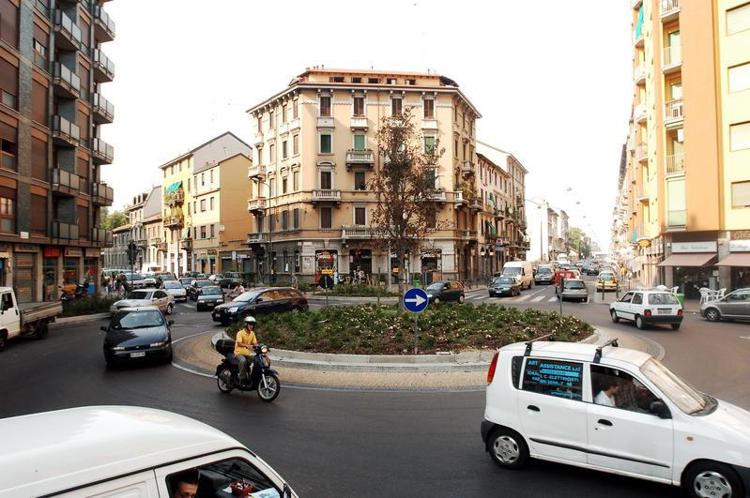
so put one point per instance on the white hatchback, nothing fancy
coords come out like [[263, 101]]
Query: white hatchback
[[646, 307], [127, 451], [616, 410]]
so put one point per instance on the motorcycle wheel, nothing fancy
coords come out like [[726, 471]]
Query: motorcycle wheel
[[272, 387], [224, 381]]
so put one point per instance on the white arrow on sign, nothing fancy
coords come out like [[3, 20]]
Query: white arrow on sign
[[416, 300]]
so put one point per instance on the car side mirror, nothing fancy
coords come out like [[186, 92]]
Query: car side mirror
[[103, 329], [170, 322], [660, 409]]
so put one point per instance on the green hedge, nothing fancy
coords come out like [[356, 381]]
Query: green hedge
[[356, 291], [88, 305], [372, 329]]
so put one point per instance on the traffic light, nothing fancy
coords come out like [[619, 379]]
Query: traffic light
[[132, 253]]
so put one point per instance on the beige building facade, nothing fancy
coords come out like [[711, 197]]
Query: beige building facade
[[683, 210]]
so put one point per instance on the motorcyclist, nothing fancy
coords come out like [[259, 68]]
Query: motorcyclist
[[243, 344]]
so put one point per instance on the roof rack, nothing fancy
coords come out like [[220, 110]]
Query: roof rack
[[531, 342], [598, 354]]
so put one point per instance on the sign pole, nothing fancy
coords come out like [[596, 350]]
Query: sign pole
[[562, 288], [416, 333]]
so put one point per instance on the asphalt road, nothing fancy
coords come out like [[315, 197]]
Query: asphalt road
[[344, 443]]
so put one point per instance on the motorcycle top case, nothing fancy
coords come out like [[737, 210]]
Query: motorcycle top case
[[225, 346]]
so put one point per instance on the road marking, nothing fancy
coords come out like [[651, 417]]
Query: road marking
[[552, 299], [745, 337], [537, 299], [522, 298]]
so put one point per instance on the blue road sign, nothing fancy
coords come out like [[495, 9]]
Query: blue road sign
[[416, 300]]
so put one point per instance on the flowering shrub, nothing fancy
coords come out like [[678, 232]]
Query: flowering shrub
[[372, 329]]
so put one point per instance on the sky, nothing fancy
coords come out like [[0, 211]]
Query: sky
[[552, 79]]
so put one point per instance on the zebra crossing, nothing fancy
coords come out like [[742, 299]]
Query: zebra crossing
[[541, 296]]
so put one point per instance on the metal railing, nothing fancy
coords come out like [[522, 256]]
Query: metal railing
[[66, 231], [677, 218], [104, 107], [365, 156], [102, 149], [102, 193], [641, 152], [326, 195], [256, 238], [639, 73], [675, 163], [63, 76], [103, 18], [467, 234], [256, 170], [357, 232], [673, 110], [66, 179], [257, 204], [68, 27], [103, 63], [65, 129], [672, 56], [669, 7], [101, 235]]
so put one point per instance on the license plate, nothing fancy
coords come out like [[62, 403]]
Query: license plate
[[664, 311], [140, 354]]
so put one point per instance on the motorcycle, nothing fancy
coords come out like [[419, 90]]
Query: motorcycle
[[67, 293], [262, 378]]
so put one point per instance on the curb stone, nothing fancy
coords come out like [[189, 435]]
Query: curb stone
[[71, 320]]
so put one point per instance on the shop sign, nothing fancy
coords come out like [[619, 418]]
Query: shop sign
[[680, 247], [51, 252], [73, 252], [26, 248], [741, 235], [324, 256], [739, 246], [93, 253]]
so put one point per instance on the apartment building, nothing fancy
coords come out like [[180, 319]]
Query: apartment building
[[153, 256], [179, 196], [220, 217], [51, 110], [116, 255], [314, 154], [686, 186]]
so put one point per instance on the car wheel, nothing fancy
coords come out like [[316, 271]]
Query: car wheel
[[712, 315], [198, 308], [461, 299], [639, 322], [709, 479], [675, 326], [41, 331], [491, 294], [613, 314], [170, 308], [3, 340], [508, 449]]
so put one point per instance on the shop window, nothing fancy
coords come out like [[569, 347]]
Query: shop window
[[50, 279], [23, 277]]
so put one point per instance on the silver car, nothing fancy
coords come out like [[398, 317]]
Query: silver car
[[175, 289], [735, 306], [574, 290], [146, 297]]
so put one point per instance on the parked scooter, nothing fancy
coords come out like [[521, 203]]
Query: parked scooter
[[262, 378], [69, 293]]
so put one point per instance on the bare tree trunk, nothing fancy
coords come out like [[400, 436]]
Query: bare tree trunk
[[402, 274]]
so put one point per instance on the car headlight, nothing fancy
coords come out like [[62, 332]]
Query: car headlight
[[429, 295], [118, 348], [233, 310], [157, 344], [264, 350]]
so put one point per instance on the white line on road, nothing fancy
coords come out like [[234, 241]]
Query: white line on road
[[552, 299], [537, 299]]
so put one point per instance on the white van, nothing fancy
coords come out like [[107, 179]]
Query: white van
[[521, 271], [127, 451]]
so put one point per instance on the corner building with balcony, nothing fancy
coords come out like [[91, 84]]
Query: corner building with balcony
[[314, 155], [52, 69], [685, 188]]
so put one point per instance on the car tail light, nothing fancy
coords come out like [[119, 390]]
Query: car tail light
[[647, 313], [679, 312], [493, 367]]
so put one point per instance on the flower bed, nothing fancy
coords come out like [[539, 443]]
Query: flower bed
[[356, 291], [372, 329]]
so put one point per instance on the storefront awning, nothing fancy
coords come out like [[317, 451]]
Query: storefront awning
[[688, 259], [736, 259], [174, 187]]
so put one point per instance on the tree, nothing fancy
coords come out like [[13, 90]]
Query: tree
[[405, 186], [113, 220], [580, 242]]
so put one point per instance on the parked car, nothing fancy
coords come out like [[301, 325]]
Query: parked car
[[607, 281], [150, 281], [29, 319], [445, 291], [573, 290], [521, 271], [137, 334], [134, 280], [145, 297], [504, 286], [186, 282], [209, 297], [562, 274], [647, 307], [592, 270], [165, 276], [544, 275], [734, 306], [126, 451], [260, 301], [194, 289], [232, 280], [175, 289], [554, 401]]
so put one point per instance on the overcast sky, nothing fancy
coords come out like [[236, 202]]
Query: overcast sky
[[552, 79]]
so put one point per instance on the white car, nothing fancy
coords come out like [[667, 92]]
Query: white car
[[146, 297], [126, 451], [646, 307], [615, 410], [175, 289]]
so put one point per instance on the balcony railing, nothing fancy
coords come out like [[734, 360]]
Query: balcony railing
[[639, 73], [467, 234], [103, 152], [476, 205], [64, 131], [101, 236], [673, 111], [65, 182], [641, 152], [458, 198], [357, 232], [364, 157], [67, 83], [438, 195], [358, 123], [256, 171], [675, 164], [257, 204], [639, 113], [669, 9], [677, 218], [163, 247], [186, 244], [71, 38], [467, 168], [176, 198], [104, 69], [671, 58], [102, 194], [104, 111], [173, 221], [64, 231], [326, 195], [641, 193], [104, 26], [429, 124], [638, 39], [256, 238], [325, 122]]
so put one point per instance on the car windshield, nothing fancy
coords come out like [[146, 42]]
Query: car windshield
[[137, 320], [543, 270], [436, 286], [246, 297], [204, 283], [133, 276], [514, 270], [685, 397], [662, 298], [212, 291], [186, 281], [574, 284], [139, 295], [503, 280], [606, 276], [172, 284]]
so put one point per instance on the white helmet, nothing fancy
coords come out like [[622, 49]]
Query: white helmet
[[249, 320]]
